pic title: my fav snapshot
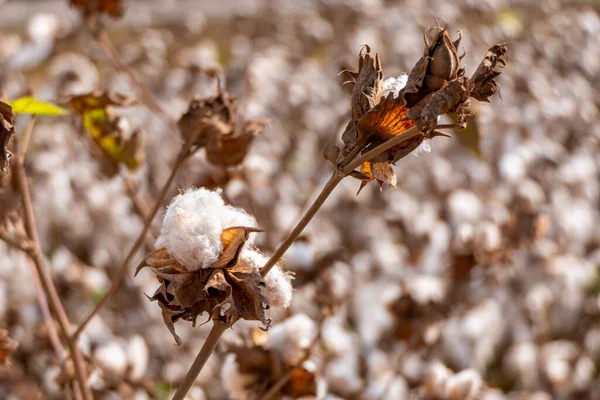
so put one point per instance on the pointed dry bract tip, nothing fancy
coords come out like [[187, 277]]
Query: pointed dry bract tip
[[6, 133]]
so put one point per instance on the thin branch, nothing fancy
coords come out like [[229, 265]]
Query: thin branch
[[369, 155], [46, 281], [219, 327], [142, 236], [310, 213]]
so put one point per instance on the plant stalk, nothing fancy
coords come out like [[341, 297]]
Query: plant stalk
[[219, 327]]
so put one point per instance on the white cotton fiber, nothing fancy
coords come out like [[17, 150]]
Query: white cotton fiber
[[278, 283], [192, 227], [394, 85]]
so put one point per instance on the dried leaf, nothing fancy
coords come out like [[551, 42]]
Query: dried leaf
[[369, 80], [207, 118], [7, 130], [248, 302], [103, 127], [426, 113], [482, 84], [230, 149]]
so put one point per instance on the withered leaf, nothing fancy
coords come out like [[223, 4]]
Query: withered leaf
[[369, 80], [207, 118], [247, 299], [426, 113], [104, 128], [231, 149], [213, 123], [482, 84], [159, 259], [7, 130]]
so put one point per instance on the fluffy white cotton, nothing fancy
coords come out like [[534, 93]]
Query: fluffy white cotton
[[278, 289], [192, 227], [292, 337], [394, 85]]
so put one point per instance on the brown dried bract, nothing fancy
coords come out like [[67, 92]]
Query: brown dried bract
[[7, 131], [231, 289], [482, 84], [214, 124], [367, 82]]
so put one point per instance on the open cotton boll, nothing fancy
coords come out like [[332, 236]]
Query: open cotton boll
[[292, 337], [278, 284], [192, 227]]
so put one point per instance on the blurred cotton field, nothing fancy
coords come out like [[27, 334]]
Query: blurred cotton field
[[477, 277]]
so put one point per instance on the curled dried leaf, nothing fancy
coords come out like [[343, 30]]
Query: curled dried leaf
[[231, 149], [7, 131], [213, 123], [367, 86], [104, 128], [482, 84]]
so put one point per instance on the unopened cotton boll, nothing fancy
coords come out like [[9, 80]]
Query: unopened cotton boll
[[192, 227], [292, 337]]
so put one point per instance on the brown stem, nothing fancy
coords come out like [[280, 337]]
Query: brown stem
[[369, 155], [46, 281], [219, 327], [310, 213], [142, 236]]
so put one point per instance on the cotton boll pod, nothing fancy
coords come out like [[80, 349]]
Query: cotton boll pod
[[199, 266]]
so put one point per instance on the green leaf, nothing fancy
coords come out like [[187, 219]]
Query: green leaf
[[29, 105]]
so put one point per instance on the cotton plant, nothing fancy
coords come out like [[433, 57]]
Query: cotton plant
[[204, 259], [206, 263]]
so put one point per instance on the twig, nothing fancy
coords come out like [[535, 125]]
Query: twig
[[219, 327], [46, 281], [142, 236], [388, 144]]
